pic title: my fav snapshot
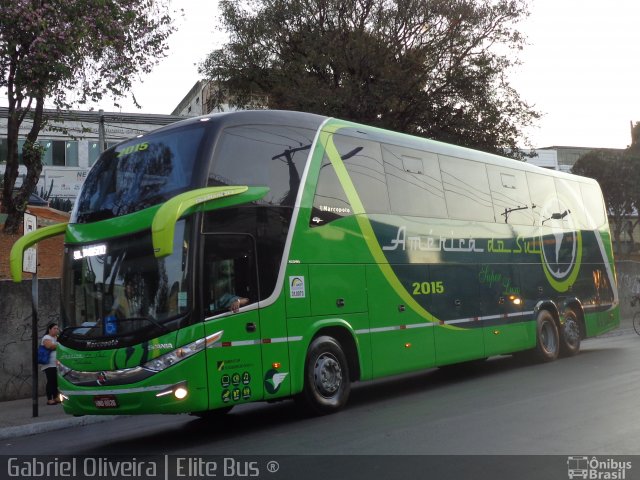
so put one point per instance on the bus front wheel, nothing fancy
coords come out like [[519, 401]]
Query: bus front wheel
[[326, 381], [548, 340]]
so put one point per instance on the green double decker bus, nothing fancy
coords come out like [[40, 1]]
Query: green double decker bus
[[260, 255]]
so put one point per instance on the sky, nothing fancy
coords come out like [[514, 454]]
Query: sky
[[578, 69]]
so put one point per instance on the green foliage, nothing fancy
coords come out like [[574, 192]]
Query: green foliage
[[635, 137], [86, 48], [62, 204], [618, 175], [614, 173], [433, 68], [69, 52], [45, 195]]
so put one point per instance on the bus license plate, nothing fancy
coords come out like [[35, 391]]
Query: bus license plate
[[105, 401]]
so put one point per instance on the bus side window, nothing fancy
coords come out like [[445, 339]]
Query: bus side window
[[263, 155], [229, 272], [466, 189], [510, 196], [542, 189], [363, 161], [593, 206], [414, 181], [571, 201]]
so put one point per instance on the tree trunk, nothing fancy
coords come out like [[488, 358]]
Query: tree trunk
[[32, 159], [11, 168], [617, 234]]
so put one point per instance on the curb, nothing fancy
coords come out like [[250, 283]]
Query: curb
[[44, 427]]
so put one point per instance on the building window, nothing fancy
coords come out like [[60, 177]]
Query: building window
[[94, 150], [71, 154], [58, 153], [4, 150]]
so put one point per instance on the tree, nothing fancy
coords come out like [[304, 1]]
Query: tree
[[618, 175], [635, 137], [433, 68], [68, 52]]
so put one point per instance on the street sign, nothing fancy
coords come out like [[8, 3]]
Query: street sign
[[30, 258]]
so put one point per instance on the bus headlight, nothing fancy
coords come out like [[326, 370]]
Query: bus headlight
[[180, 391], [179, 354]]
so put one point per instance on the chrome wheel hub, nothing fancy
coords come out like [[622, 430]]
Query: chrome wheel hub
[[327, 374]]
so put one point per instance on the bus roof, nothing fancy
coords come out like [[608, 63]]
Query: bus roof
[[313, 121]]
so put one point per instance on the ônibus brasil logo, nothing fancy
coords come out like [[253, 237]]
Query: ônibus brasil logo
[[595, 468]]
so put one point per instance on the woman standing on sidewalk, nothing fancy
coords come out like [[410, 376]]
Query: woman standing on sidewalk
[[50, 342]]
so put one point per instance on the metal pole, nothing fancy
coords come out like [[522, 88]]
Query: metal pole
[[34, 344], [101, 132]]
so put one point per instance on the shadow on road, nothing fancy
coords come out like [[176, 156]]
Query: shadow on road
[[183, 433]]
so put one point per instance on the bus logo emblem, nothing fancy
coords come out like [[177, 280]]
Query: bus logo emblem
[[561, 246], [559, 251], [273, 379], [101, 378]]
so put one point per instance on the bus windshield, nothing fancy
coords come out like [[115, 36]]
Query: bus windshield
[[139, 173], [118, 287]]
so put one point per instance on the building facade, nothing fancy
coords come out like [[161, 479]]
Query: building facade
[[563, 158], [205, 98], [72, 144]]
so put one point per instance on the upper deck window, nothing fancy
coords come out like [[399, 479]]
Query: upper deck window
[[466, 189], [510, 194], [140, 173], [415, 182], [362, 159], [263, 155]]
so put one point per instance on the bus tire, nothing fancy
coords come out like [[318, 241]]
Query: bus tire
[[326, 377], [547, 338], [570, 333]]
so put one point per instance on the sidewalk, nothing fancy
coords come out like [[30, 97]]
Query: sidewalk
[[17, 420]]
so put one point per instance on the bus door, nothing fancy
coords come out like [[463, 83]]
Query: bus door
[[456, 303], [229, 287]]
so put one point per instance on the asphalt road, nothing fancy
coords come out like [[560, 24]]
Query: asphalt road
[[586, 405]]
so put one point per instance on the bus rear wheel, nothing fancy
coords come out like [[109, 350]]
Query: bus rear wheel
[[326, 381], [548, 340], [570, 333]]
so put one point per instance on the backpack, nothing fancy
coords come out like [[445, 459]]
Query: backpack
[[43, 355]]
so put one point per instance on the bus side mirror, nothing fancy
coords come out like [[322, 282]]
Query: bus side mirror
[[164, 221], [28, 240]]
